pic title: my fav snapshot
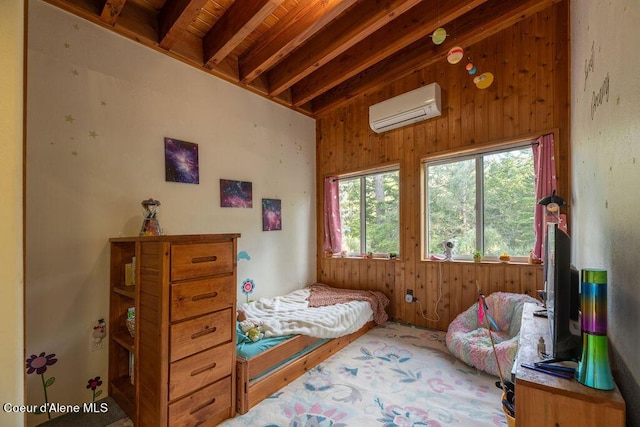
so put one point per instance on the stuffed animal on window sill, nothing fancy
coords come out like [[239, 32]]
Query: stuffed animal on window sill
[[253, 330]]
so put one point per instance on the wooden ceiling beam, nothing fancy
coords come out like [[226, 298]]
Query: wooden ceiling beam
[[470, 29], [240, 20], [111, 10], [174, 19], [288, 34], [334, 39], [407, 29]]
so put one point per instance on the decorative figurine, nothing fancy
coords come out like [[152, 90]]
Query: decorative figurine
[[150, 224]]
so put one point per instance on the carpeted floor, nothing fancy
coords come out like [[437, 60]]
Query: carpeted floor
[[113, 417], [392, 376]]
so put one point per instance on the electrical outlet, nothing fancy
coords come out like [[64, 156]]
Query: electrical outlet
[[96, 345], [409, 296]]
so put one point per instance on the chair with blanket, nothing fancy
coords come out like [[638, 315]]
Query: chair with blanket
[[470, 342]]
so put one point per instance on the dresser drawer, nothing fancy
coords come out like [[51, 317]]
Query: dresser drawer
[[193, 372], [205, 407], [193, 260], [200, 333], [193, 298]]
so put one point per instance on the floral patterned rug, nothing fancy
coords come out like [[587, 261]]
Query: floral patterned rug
[[395, 375]]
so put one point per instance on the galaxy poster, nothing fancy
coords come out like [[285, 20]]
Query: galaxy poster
[[236, 194], [181, 161], [271, 214]]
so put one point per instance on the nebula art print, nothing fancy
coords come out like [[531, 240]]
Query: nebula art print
[[271, 214], [181, 161], [236, 194]]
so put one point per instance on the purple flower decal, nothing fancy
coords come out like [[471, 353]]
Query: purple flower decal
[[38, 364], [94, 383]]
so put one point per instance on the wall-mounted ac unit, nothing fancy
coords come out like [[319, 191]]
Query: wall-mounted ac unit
[[411, 107]]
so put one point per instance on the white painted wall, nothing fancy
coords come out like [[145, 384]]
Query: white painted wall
[[605, 143], [11, 236], [99, 108]]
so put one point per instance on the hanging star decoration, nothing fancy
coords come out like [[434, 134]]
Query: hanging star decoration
[[248, 285]]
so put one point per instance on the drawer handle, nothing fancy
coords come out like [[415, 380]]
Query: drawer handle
[[204, 368], [204, 296], [202, 406], [203, 332], [201, 259]]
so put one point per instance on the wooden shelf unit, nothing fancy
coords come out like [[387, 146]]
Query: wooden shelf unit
[[183, 352], [545, 400]]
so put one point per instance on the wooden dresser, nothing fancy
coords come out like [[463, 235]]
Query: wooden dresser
[[545, 400], [179, 370]]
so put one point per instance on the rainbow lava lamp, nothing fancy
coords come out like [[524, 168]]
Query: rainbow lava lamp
[[593, 369]]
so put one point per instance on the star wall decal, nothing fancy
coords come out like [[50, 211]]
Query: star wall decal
[[69, 118], [75, 72], [67, 45], [93, 134]]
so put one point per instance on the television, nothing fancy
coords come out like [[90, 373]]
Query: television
[[562, 289]]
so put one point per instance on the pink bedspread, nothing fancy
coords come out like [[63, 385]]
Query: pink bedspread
[[321, 295]]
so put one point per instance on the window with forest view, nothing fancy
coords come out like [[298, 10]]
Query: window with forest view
[[369, 212], [484, 202]]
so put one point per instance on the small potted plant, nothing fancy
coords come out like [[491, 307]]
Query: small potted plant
[[477, 256]]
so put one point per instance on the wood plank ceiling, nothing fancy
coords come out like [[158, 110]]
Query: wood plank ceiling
[[310, 55]]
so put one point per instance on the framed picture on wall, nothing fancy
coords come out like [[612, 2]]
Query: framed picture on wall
[[271, 214], [181, 161], [236, 194]]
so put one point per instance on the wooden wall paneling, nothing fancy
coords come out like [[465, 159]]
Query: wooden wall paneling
[[469, 293], [526, 77], [496, 279], [452, 80], [467, 108], [442, 123], [528, 283], [544, 70], [438, 295], [562, 96], [455, 290], [483, 277], [529, 96], [506, 63], [491, 63], [481, 97], [512, 279]]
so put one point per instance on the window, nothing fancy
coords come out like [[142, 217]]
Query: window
[[369, 212], [483, 201]]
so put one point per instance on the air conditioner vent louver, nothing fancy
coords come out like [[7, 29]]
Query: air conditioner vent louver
[[411, 107]]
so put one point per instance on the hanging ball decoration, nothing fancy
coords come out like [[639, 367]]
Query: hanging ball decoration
[[484, 80], [471, 68], [455, 55], [439, 35]]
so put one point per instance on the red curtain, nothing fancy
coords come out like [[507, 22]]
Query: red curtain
[[544, 164], [332, 226]]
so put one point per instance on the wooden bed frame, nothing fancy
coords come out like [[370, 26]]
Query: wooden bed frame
[[251, 393]]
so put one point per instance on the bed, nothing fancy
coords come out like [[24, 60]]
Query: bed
[[301, 329]]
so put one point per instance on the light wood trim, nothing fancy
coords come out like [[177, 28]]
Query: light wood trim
[[251, 393]]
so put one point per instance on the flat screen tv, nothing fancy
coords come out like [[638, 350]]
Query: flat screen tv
[[562, 288]]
